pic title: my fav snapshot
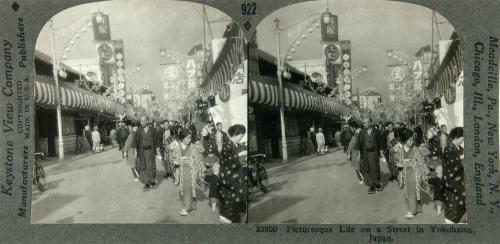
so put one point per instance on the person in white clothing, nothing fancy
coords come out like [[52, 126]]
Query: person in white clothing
[[320, 139], [96, 140]]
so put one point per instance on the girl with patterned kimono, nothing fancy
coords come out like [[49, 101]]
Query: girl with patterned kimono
[[414, 171], [232, 182], [453, 177], [188, 158]]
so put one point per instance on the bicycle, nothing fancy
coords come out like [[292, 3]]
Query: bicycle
[[38, 172], [256, 173]]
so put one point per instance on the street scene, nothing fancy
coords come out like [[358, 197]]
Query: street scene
[[356, 115], [138, 115]]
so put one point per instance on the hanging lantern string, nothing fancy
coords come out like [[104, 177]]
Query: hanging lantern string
[[296, 41], [75, 36]]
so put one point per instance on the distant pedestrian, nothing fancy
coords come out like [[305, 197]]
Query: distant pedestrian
[[320, 140], [131, 152], [354, 156], [112, 137], [337, 138], [87, 134], [313, 145], [96, 140], [346, 136], [121, 137]]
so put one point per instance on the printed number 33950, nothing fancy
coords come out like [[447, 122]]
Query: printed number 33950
[[248, 8]]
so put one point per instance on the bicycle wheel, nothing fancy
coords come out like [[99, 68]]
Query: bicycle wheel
[[41, 177], [262, 176]]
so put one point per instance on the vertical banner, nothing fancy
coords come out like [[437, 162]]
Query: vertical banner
[[329, 30], [397, 75], [119, 57], [346, 71], [100, 23]]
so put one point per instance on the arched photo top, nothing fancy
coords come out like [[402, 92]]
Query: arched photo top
[[325, 69], [137, 76]]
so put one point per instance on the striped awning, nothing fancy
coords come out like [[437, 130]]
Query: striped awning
[[45, 93], [447, 73], [232, 54], [265, 92]]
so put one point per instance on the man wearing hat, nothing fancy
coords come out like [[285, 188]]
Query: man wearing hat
[[370, 150], [145, 143]]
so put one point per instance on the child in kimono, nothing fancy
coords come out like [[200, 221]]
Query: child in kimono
[[413, 176]]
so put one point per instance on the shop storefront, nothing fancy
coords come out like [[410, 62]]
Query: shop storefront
[[303, 110], [79, 108], [226, 81], [447, 86]]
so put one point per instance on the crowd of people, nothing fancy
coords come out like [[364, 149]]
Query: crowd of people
[[431, 164], [202, 164]]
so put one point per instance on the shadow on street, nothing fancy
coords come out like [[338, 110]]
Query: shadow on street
[[272, 207], [50, 204], [72, 166]]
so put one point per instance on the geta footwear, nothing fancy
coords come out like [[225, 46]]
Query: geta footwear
[[361, 182], [136, 179], [184, 212], [371, 190], [378, 187], [146, 188], [224, 220], [410, 216]]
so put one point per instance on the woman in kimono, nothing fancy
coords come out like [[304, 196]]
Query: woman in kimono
[[414, 170], [130, 152], [353, 155], [453, 177], [190, 171], [232, 182]]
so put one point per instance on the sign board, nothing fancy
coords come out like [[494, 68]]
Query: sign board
[[329, 30], [100, 22]]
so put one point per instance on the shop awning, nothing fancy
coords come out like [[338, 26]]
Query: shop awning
[[264, 91], [45, 93], [232, 54], [447, 73]]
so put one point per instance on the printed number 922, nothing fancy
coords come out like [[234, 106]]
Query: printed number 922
[[248, 8]]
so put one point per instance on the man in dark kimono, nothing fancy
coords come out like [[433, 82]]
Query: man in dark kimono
[[145, 143], [370, 150]]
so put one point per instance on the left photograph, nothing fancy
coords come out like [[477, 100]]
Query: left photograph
[[140, 115]]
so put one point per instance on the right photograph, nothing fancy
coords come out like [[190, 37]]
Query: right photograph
[[355, 116]]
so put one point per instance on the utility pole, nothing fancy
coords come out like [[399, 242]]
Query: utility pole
[[280, 91], [55, 70]]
